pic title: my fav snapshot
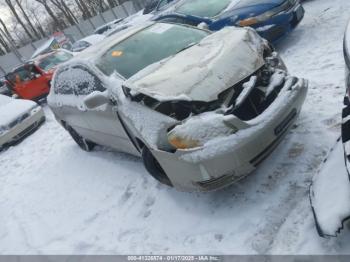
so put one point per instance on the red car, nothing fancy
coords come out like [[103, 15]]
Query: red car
[[32, 79]]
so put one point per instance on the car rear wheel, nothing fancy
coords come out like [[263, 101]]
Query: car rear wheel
[[153, 167], [84, 144]]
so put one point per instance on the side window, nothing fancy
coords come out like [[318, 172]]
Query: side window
[[77, 80], [21, 74]]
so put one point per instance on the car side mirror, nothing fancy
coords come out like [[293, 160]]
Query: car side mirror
[[96, 99]]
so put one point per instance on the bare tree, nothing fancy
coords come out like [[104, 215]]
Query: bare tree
[[59, 23], [12, 45], [19, 4], [112, 3], [83, 8], [6, 31], [62, 6], [14, 12], [4, 47], [33, 12]]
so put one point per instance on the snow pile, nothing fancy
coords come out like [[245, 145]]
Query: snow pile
[[331, 193]]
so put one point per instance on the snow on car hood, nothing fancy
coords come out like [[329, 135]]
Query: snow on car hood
[[11, 109], [203, 71]]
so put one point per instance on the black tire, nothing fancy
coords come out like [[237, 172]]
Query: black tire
[[84, 144], [153, 167]]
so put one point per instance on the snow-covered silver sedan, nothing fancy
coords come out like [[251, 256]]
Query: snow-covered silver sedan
[[202, 109], [18, 119]]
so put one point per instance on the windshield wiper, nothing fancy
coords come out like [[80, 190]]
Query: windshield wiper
[[187, 47]]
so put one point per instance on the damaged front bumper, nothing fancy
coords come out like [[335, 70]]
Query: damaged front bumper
[[221, 162]]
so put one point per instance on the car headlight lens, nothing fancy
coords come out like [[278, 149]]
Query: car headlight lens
[[267, 15], [198, 130], [179, 142]]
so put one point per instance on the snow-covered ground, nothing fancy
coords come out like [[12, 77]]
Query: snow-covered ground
[[56, 199]]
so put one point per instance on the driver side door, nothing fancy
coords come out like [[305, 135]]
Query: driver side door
[[104, 125]]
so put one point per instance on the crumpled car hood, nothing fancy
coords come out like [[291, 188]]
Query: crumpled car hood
[[202, 72]]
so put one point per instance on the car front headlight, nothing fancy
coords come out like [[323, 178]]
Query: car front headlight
[[267, 15], [198, 130]]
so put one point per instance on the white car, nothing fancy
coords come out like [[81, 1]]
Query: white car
[[202, 109], [18, 119], [86, 42]]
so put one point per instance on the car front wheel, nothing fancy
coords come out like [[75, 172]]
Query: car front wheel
[[84, 144], [153, 167]]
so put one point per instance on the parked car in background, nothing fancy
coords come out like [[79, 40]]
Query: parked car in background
[[58, 41], [155, 6], [272, 19], [32, 80], [202, 109], [104, 28], [86, 42], [3, 88], [18, 119], [330, 190]]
